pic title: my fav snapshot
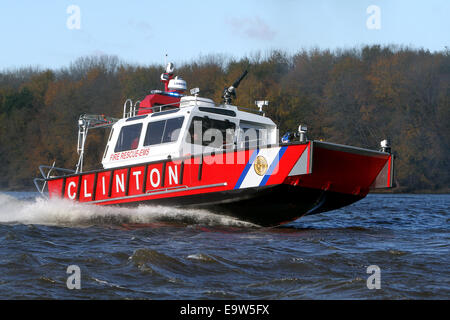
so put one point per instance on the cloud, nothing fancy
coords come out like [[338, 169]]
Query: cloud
[[253, 28], [143, 27]]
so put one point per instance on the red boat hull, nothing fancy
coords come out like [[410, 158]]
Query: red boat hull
[[268, 186]]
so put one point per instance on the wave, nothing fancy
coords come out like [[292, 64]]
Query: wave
[[63, 212]]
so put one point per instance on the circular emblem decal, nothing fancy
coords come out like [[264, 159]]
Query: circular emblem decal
[[260, 165]]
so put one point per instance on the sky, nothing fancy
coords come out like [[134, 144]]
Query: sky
[[51, 34]]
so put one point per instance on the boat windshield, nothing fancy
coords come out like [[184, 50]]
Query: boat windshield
[[163, 131], [212, 133], [128, 138]]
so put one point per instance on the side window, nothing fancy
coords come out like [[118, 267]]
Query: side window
[[128, 138], [154, 132], [214, 133], [172, 130], [253, 137], [163, 131]]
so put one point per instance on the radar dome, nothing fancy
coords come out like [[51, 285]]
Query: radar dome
[[177, 84]]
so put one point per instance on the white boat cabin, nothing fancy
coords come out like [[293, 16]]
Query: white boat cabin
[[197, 126]]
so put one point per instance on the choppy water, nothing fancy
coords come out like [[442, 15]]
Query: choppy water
[[167, 253]]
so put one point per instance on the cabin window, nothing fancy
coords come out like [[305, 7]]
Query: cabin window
[[253, 137], [214, 133], [163, 131], [128, 138]]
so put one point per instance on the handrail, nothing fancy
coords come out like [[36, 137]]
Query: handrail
[[125, 107], [159, 107], [136, 105], [133, 108], [45, 177]]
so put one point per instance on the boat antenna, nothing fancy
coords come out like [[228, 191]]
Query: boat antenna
[[230, 92]]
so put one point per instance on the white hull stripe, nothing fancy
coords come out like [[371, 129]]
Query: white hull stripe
[[273, 166], [246, 169], [249, 178]]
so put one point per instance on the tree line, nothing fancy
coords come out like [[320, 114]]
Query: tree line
[[356, 96]]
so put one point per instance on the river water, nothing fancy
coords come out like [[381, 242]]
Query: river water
[[171, 253]]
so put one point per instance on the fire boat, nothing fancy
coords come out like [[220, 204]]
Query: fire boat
[[181, 150]]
